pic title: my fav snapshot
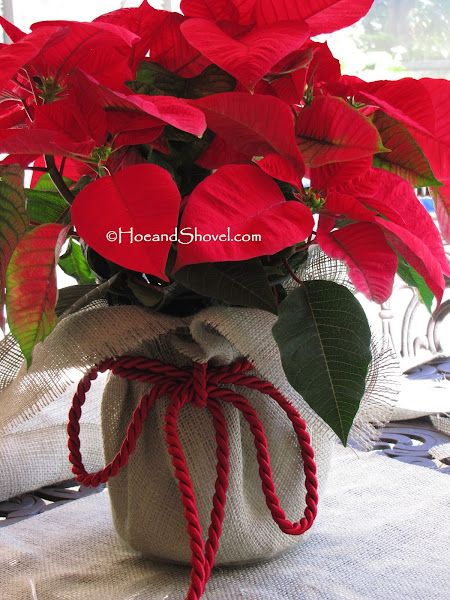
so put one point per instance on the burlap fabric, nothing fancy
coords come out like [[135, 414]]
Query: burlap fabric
[[145, 498], [422, 398], [441, 452], [381, 534], [34, 453], [442, 422]]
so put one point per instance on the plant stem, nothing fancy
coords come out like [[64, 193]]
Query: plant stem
[[276, 295], [37, 169], [63, 216], [96, 293], [58, 179], [291, 272], [63, 164]]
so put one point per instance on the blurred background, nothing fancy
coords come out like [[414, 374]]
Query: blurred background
[[397, 38]]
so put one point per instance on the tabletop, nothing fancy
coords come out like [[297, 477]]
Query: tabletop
[[406, 441]]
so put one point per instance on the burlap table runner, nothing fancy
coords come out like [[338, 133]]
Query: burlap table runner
[[381, 533]]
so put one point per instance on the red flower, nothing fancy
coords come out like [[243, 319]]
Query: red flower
[[247, 55], [323, 16], [51, 52], [253, 125], [93, 116], [235, 11], [390, 206], [236, 158], [217, 204], [421, 106]]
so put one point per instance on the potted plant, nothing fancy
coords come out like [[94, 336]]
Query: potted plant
[[186, 169]]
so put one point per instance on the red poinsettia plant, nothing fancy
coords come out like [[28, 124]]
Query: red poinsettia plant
[[185, 160]]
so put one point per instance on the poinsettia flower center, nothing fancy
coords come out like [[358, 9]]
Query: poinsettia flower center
[[49, 89], [101, 154], [313, 199]]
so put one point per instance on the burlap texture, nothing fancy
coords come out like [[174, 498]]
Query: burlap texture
[[145, 497], [381, 534], [442, 422], [34, 454], [34, 404], [441, 452]]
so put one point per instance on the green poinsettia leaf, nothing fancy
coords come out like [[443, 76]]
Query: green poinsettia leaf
[[412, 278], [236, 283], [154, 80], [13, 222], [441, 197], [44, 202], [324, 340], [211, 81], [74, 263], [46, 206], [31, 291], [405, 158], [45, 183]]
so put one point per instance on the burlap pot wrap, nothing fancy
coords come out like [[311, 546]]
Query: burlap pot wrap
[[147, 509], [145, 498]]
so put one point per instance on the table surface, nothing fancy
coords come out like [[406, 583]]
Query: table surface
[[407, 441]]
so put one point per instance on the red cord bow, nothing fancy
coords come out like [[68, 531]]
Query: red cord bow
[[204, 387]]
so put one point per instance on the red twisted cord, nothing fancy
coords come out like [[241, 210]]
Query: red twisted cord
[[188, 499], [203, 387]]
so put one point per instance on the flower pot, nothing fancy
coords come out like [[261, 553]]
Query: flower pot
[[149, 511]]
